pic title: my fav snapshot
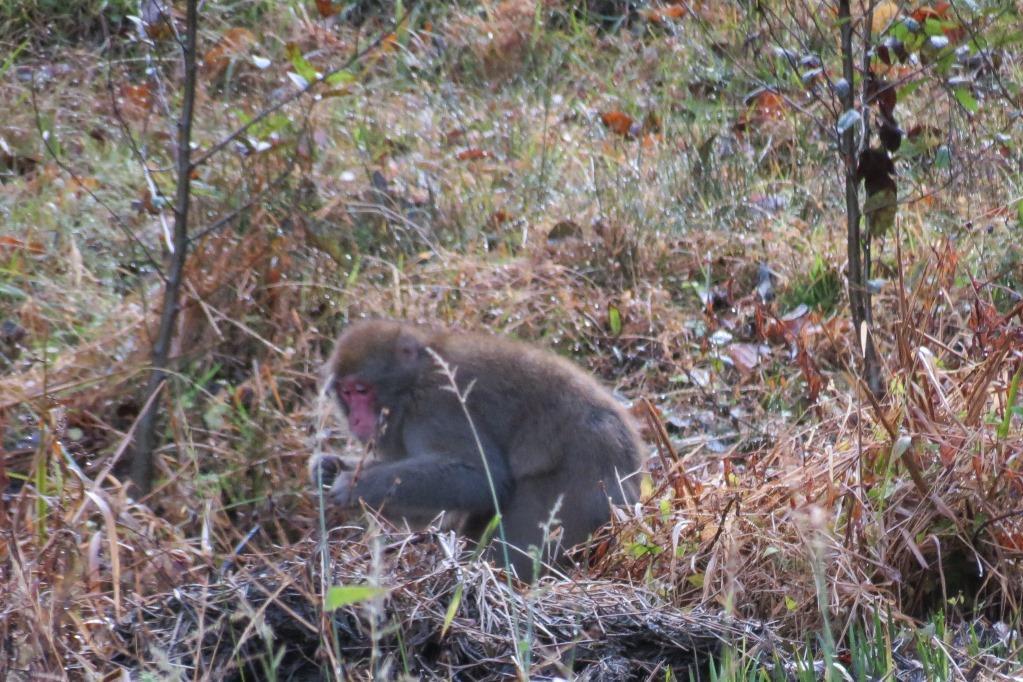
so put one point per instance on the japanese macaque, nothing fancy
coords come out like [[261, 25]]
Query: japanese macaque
[[555, 442]]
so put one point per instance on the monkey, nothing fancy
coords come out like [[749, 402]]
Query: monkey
[[542, 437]]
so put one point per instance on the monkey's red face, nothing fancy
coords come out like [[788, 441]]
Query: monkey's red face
[[360, 402]]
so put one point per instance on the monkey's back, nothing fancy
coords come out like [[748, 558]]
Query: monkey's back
[[555, 415]]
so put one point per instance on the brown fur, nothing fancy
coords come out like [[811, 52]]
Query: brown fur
[[548, 429]]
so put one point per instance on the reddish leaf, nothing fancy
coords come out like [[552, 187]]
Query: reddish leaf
[[473, 154], [938, 11], [326, 8], [661, 15], [769, 104], [762, 106], [14, 244], [136, 100], [620, 123], [233, 44], [454, 135], [499, 217], [814, 381]]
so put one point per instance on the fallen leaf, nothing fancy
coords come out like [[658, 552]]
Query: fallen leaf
[[746, 356], [14, 244], [884, 13], [564, 229], [135, 100], [473, 154], [326, 8], [234, 43], [620, 123], [661, 15]]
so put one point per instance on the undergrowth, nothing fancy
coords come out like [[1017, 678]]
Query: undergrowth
[[620, 192]]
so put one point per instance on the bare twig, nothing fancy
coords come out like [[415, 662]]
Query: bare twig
[[142, 459]]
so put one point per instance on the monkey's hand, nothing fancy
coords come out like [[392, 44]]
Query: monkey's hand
[[325, 468], [342, 492]]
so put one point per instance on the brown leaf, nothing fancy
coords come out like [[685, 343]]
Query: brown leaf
[[564, 229], [620, 123], [883, 95], [10, 243], [746, 356], [812, 376], [233, 44], [326, 8], [769, 104], [661, 15], [473, 154], [499, 217], [875, 169], [652, 123], [940, 12], [885, 13], [135, 100], [762, 106], [454, 135]]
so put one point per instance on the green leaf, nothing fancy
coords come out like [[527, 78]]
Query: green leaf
[[488, 532], [901, 445], [946, 61], [943, 157], [12, 57], [880, 208], [342, 77], [12, 291], [966, 99], [905, 91], [302, 66], [1010, 401], [614, 319], [449, 615], [354, 274], [914, 42], [934, 27], [345, 595]]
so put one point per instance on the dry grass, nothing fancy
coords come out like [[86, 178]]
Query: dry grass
[[782, 502], [588, 627]]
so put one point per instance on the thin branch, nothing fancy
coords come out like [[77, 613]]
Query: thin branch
[[142, 462]]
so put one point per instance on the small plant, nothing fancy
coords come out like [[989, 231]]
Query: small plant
[[819, 289]]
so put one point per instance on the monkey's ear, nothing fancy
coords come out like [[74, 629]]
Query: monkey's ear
[[409, 348]]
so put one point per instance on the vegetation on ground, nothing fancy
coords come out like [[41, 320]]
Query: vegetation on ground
[[656, 190]]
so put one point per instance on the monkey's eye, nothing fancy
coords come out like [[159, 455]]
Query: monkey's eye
[[360, 388]]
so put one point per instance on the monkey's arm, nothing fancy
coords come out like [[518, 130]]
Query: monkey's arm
[[418, 485]]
